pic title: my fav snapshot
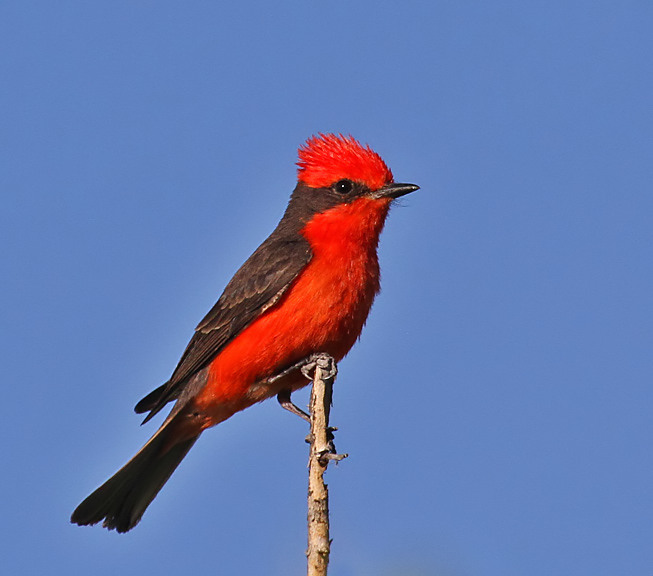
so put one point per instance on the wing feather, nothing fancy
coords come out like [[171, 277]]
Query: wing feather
[[258, 285]]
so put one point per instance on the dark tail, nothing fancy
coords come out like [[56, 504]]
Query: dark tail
[[122, 500]]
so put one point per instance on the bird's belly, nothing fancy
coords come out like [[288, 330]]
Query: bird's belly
[[323, 311]]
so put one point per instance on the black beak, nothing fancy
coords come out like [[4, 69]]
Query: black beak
[[395, 190]]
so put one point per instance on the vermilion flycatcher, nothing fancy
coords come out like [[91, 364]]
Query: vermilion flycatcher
[[307, 289]]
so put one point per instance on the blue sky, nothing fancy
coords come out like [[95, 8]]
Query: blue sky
[[497, 410]]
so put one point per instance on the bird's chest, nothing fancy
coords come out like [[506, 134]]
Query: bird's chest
[[340, 286], [332, 298], [342, 278]]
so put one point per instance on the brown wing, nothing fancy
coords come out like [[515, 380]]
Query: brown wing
[[257, 286]]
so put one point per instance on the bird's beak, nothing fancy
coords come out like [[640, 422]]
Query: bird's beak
[[394, 190]]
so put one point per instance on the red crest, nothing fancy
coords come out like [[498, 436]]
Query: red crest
[[327, 158]]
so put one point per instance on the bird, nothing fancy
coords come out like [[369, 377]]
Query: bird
[[307, 289]]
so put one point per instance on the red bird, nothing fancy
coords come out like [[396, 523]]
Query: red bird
[[307, 289]]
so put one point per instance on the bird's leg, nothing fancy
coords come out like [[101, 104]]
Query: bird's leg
[[284, 400], [307, 367], [284, 396]]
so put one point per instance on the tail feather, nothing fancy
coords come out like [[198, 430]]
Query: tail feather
[[122, 500], [148, 402]]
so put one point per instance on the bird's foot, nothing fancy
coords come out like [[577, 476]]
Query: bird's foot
[[319, 360]]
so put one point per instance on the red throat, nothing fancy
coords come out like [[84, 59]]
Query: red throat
[[327, 158]]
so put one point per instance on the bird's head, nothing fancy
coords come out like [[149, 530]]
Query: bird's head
[[344, 191], [345, 170]]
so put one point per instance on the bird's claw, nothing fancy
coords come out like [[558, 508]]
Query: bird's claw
[[323, 361]]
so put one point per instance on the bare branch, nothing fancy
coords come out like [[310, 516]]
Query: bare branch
[[322, 451]]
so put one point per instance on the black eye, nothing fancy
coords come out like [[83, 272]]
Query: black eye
[[343, 186]]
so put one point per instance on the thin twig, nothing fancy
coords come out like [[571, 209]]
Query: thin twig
[[322, 451]]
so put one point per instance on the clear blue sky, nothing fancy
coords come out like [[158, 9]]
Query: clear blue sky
[[497, 410]]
